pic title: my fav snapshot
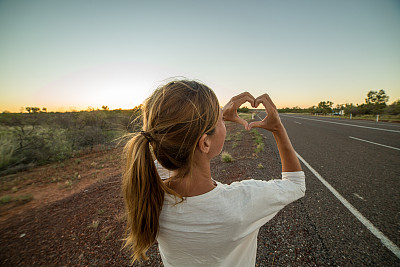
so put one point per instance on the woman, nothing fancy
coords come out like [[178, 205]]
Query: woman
[[198, 221]]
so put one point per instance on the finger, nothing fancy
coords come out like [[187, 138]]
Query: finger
[[241, 121], [261, 100], [243, 94], [239, 101], [267, 103], [268, 98], [255, 124], [242, 98], [228, 106], [270, 101]]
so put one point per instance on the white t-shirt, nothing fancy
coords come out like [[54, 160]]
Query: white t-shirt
[[220, 228]]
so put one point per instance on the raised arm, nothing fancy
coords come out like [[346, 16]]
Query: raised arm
[[272, 123]]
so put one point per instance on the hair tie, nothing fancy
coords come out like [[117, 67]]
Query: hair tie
[[147, 136]]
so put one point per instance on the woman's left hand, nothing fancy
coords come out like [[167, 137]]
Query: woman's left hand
[[229, 111]]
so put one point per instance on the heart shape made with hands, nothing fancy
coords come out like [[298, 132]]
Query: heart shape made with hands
[[271, 120]]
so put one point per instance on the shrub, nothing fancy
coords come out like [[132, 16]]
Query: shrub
[[24, 199], [234, 144], [7, 149], [259, 148], [38, 138], [258, 140], [5, 199], [243, 110], [94, 224], [238, 136], [226, 157], [18, 199]]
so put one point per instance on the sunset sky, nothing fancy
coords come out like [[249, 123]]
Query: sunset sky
[[67, 55]]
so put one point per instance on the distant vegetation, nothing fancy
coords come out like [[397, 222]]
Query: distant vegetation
[[38, 137], [243, 110], [375, 104]]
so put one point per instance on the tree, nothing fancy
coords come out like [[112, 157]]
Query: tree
[[312, 109], [394, 108], [105, 107], [375, 102], [32, 109], [325, 107], [349, 108], [377, 98], [338, 108]]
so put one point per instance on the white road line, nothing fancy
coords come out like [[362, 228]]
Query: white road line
[[297, 122], [395, 125], [380, 129], [385, 241], [374, 143], [360, 197]]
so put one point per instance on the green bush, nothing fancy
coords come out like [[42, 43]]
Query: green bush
[[234, 144], [24, 199], [7, 149], [226, 157], [259, 148], [258, 140], [39, 138], [238, 136], [5, 199], [243, 110]]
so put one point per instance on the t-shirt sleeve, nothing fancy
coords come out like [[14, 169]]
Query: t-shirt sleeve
[[261, 200]]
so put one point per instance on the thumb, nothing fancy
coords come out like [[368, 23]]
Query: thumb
[[255, 124], [243, 122]]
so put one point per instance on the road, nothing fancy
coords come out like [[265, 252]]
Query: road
[[360, 160]]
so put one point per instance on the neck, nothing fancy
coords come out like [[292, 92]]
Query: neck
[[197, 183]]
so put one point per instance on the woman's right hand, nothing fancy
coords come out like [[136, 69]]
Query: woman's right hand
[[271, 122]]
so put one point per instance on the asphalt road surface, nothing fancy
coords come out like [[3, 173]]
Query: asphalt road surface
[[356, 211]]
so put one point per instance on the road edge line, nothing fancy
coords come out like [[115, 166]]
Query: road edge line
[[341, 123], [375, 231]]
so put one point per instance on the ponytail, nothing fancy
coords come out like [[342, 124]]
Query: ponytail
[[143, 192], [175, 116]]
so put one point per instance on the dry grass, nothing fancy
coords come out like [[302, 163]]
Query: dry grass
[[226, 157]]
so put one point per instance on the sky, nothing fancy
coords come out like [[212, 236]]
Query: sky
[[75, 54]]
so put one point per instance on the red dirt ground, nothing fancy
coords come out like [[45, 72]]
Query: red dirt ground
[[81, 223]]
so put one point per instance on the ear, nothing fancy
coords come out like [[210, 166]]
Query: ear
[[204, 144]]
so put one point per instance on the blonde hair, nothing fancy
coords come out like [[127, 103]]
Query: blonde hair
[[175, 117]]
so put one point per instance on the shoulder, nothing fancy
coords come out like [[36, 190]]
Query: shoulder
[[245, 188], [245, 185]]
